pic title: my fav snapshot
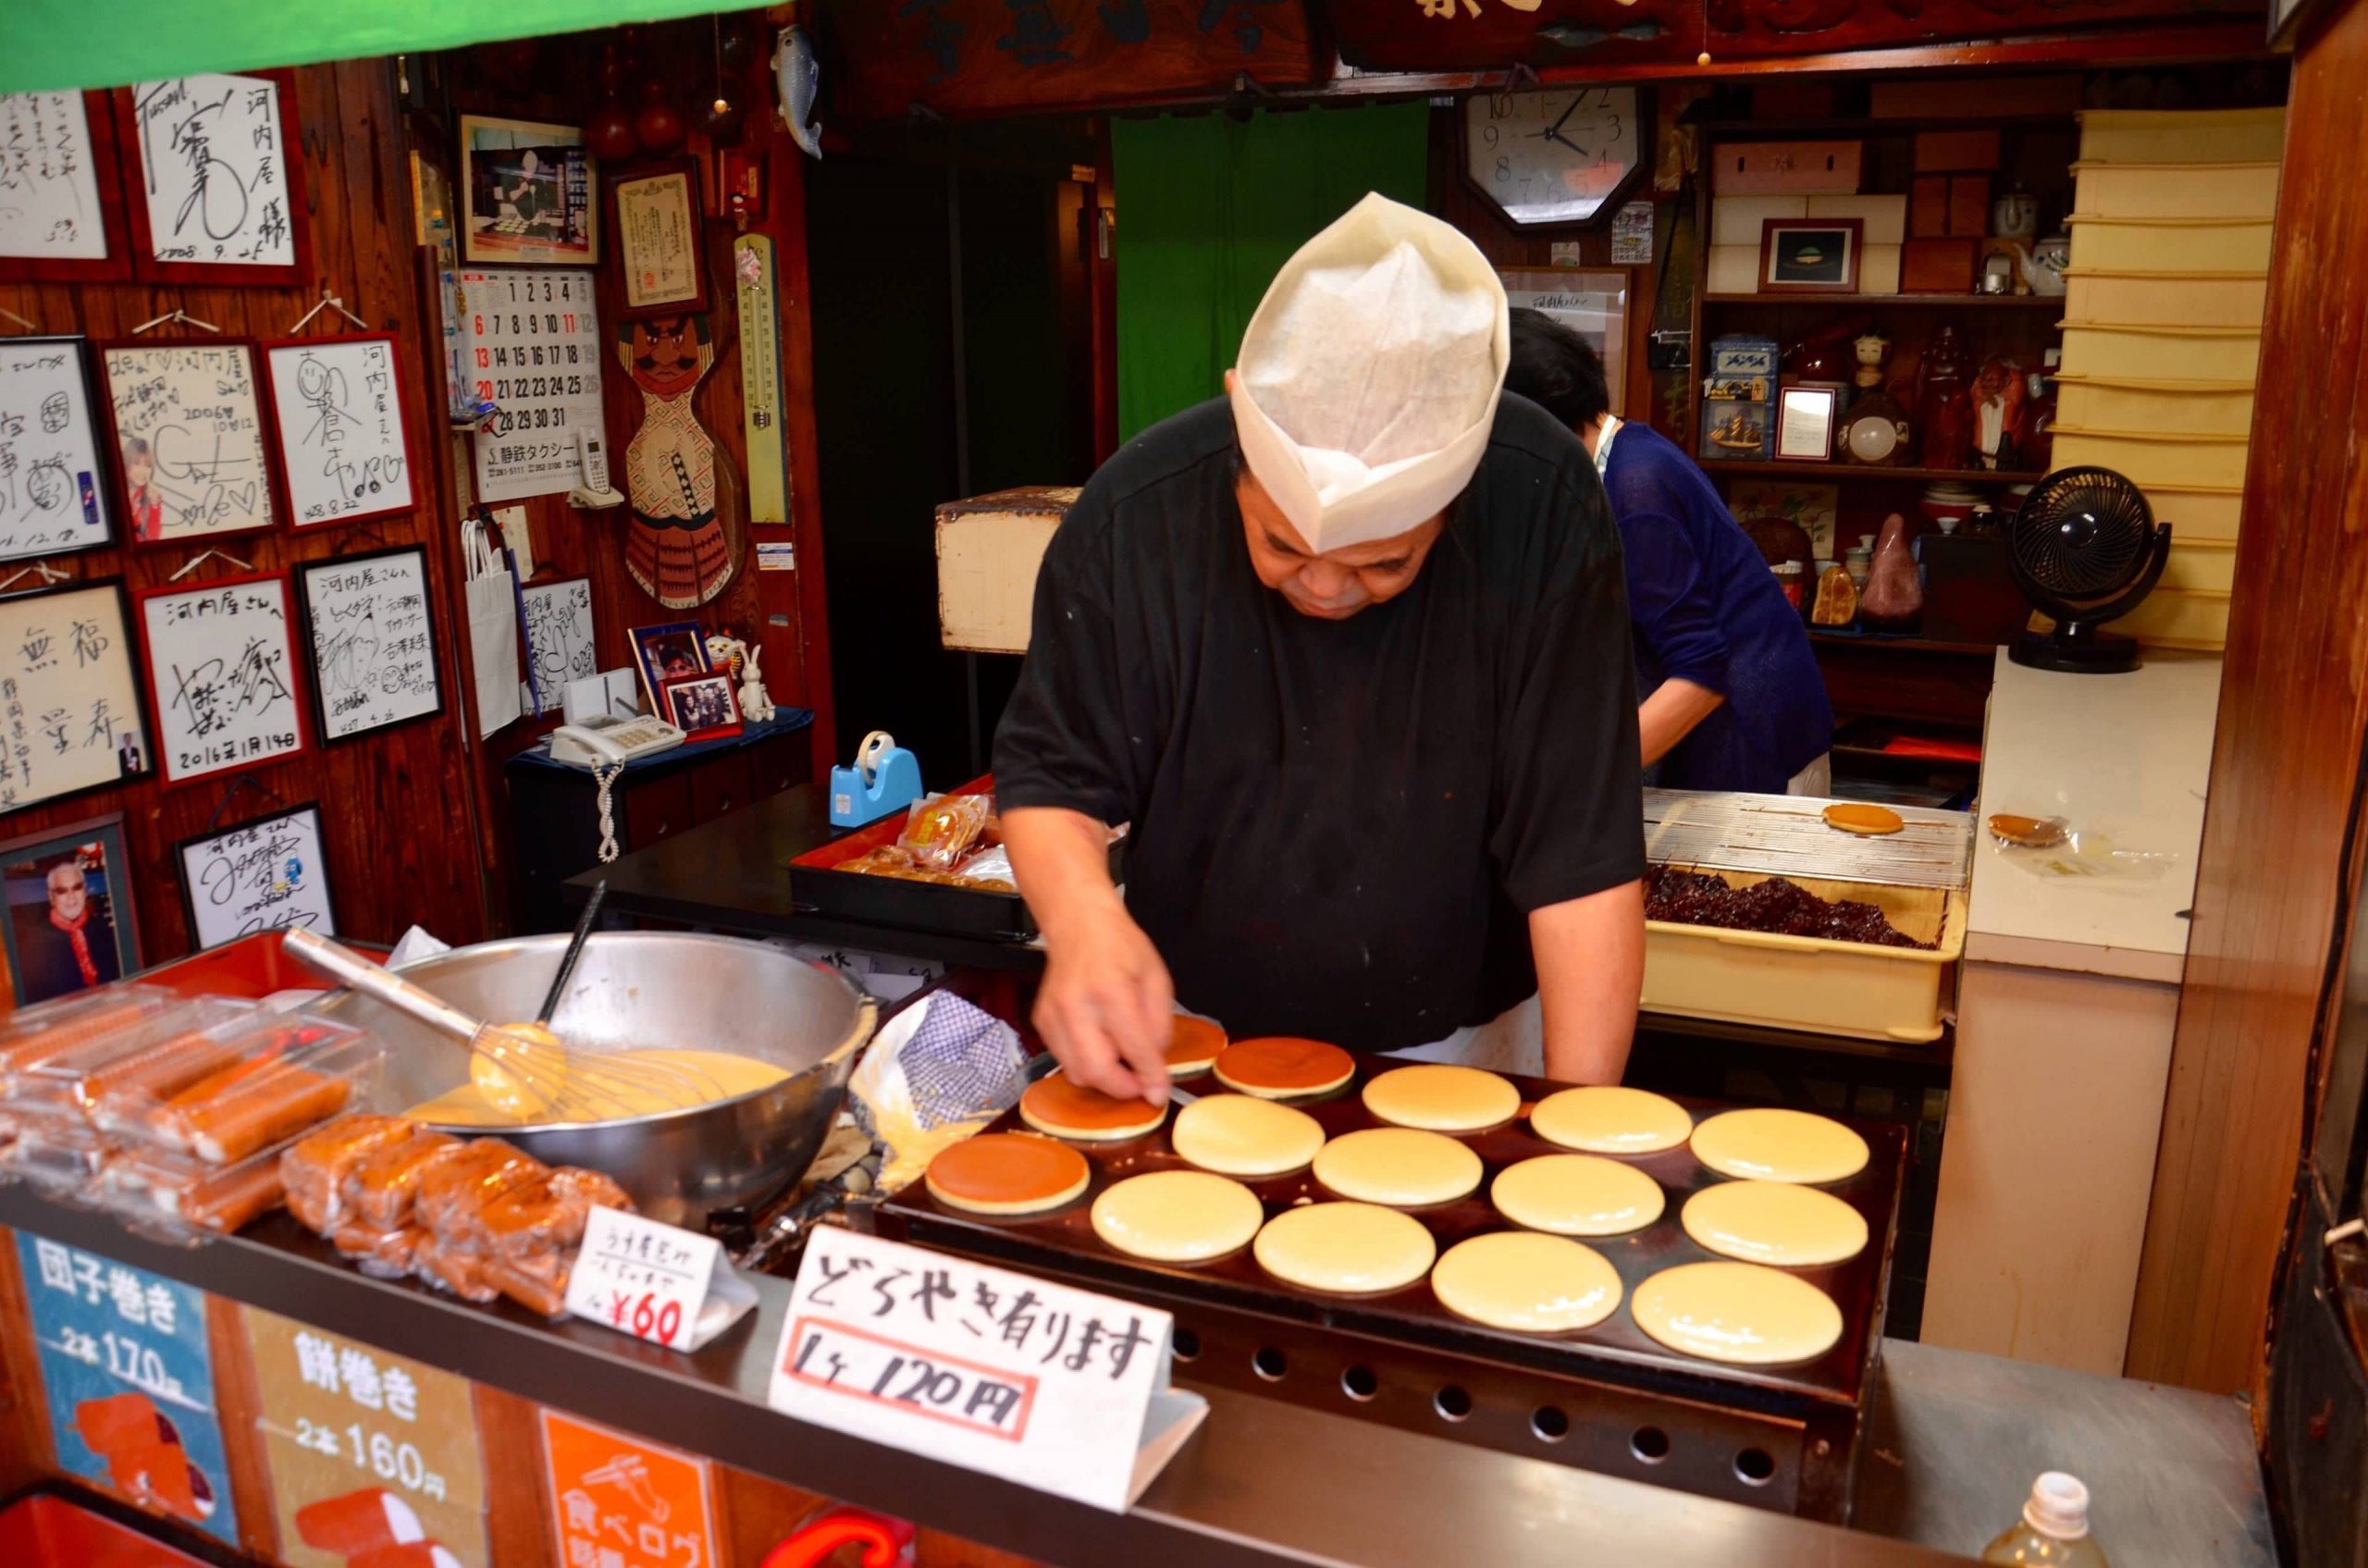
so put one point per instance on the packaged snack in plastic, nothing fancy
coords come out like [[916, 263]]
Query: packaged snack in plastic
[[40, 1032], [173, 1045], [991, 866], [542, 1291], [314, 1168], [381, 1255], [939, 833], [447, 1268], [381, 1191], [453, 1194], [59, 1151], [545, 1217]]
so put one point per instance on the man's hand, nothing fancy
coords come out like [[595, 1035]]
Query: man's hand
[[1106, 1008]]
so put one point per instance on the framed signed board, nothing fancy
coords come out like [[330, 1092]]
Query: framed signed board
[[268, 874], [61, 193], [221, 660], [373, 641], [336, 409], [54, 496], [186, 425], [214, 186], [70, 716]]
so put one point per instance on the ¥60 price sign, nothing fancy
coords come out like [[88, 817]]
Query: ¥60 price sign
[[366, 1450], [641, 1277]]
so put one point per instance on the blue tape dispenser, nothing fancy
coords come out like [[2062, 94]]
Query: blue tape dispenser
[[886, 778]]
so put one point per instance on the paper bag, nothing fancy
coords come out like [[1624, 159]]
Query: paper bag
[[493, 629]]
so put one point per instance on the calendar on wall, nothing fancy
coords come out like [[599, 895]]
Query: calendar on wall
[[530, 346]]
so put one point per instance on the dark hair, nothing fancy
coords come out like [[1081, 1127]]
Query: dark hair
[[1554, 367]]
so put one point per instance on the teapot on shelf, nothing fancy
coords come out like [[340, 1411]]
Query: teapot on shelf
[[2043, 265]]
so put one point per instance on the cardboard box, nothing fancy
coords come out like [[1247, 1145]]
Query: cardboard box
[[1969, 207], [1734, 269], [1939, 267], [988, 551], [1735, 220], [1785, 169], [1955, 152], [1882, 219], [1928, 207]]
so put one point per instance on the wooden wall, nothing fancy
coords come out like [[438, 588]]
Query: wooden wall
[[2293, 708], [395, 806]]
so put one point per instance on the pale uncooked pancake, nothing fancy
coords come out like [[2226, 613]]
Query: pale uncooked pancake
[[1738, 1313], [1606, 1120], [1243, 1135], [1442, 1098], [1177, 1215], [1054, 1104], [1577, 1195], [1852, 816], [1767, 1144], [1521, 1280], [1007, 1173], [1345, 1249], [1774, 1222], [1398, 1166], [1193, 1046], [1280, 1067]]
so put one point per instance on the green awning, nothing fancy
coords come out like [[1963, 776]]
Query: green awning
[[47, 44]]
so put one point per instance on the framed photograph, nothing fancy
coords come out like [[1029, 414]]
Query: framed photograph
[[63, 219], [1810, 255], [70, 921], [221, 660], [1805, 420], [268, 874], [185, 431], [76, 721], [337, 406], [1593, 304], [665, 652], [654, 219], [54, 495], [527, 193], [214, 184], [702, 707], [373, 640]]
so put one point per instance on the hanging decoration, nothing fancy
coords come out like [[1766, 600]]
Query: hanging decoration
[[677, 548]]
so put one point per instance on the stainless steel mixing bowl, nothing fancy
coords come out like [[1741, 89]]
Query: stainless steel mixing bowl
[[652, 989]]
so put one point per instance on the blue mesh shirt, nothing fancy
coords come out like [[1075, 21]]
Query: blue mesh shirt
[[1706, 609]]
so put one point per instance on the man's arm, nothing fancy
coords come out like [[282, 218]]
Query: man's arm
[[1107, 1005], [1590, 956], [1669, 714]]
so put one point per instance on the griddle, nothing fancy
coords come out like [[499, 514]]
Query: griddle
[[1607, 1399]]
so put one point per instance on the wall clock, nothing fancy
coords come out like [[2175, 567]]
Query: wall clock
[[1555, 156]]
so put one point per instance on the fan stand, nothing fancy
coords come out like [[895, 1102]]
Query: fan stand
[[2077, 647]]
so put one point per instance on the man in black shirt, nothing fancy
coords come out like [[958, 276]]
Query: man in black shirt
[[1352, 656]]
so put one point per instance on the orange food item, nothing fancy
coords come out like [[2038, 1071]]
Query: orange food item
[[228, 1200], [356, 1521], [128, 1087], [1007, 1173], [381, 1189], [1055, 1105], [1282, 1065], [1851, 816], [454, 1192], [547, 1215], [1193, 1046], [315, 1169], [462, 1273], [382, 1254], [48, 1045], [537, 1290], [256, 1112]]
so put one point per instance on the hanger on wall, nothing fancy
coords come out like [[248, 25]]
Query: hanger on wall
[[176, 316], [202, 557], [243, 782], [47, 572], [28, 325], [328, 301]]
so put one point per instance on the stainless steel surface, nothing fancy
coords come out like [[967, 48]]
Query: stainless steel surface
[[642, 990], [457, 1025], [1787, 835], [1957, 1436]]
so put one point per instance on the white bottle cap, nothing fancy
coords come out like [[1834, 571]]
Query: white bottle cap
[[2059, 1506]]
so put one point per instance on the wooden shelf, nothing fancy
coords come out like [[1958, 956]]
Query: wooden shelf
[[1742, 469], [1917, 301]]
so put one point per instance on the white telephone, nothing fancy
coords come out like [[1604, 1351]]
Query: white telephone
[[606, 741]]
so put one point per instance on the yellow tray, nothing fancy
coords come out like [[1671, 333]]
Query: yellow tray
[[2159, 352], [1808, 982], [2197, 516], [2191, 190], [2169, 244], [2205, 408], [2200, 565], [2173, 462], [2231, 299], [2181, 136], [2173, 618]]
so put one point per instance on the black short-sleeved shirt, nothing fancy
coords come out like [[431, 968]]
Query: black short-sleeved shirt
[[1337, 826]]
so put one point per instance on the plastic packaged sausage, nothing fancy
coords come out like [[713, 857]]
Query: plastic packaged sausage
[[260, 1110], [40, 1033], [460, 1272], [544, 1218], [382, 1254], [314, 1168], [539, 1291], [379, 1190], [453, 1194]]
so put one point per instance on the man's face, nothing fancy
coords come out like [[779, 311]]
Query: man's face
[[67, 893], [1336, 583]]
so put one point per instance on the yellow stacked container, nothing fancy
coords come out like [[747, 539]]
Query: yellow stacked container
[[2162, 333]]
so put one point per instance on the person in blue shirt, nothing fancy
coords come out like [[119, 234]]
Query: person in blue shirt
[[1732, 698]]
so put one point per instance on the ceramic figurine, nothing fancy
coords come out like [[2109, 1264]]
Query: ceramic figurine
[[1895, 594], [756, 703], [1870, 350], [1998, 413], [2014, 215], [1944, 404]]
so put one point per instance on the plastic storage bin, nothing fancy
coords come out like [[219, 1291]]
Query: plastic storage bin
[[1811, 983], [2170, 244], [2182, 136], [2156, 352], [2196, 408], [2193, 189], [2152, 460], [2137, 297], [2200, 565]]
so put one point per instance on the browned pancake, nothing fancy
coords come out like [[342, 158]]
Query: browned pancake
[[1007, 1173], [1054, 1104], [1279, 1065], [1194, 1046]]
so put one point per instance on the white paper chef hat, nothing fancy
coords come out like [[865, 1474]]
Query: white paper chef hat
[[1369, 376]]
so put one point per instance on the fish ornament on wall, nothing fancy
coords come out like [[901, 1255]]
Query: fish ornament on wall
[[678, 548]]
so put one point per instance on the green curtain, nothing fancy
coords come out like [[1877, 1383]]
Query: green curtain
[[1210, 208], [47, 44]]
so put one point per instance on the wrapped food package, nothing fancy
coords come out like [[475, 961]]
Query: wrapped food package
[[939, 833], [545, 1217], [260, 1110], [541, 1290], [382, 1254], [459, 1271], [314, 1168], [453, 1192], [44, 1032], [381, 1191], [222, 1200]]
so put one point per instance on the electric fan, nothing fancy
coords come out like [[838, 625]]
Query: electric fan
[[2084, 549]]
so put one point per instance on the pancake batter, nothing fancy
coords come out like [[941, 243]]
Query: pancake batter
[[1738, 1313], [1577, 1195], [1177, 1215], [1398, 1166], [1776, 1223], [1442, 1098], [1610, 1120], [705, 1078], [1242, 1135], [1345, 1249], [1529, 1283], [1767, 1144]]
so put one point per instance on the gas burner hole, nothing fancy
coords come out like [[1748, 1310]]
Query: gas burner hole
[[1755, 1467], [1649, 1444], [1453, 1404], [1186, 1344], [1360, 1384], [1269, 1364], [1550, 1425]]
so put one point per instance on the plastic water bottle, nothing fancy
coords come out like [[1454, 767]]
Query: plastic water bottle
[[2054, 1529]]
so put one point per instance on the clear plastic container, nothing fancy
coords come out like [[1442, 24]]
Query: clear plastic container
[[134, 1051], [34, 1035], [2054, 1529], [60, 1153]]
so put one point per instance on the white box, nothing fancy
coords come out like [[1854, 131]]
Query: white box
[[1883, 219], [1735, 220], [1734, 269], [988, 551]]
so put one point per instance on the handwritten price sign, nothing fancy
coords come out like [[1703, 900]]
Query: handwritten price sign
[[656, 1282]]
